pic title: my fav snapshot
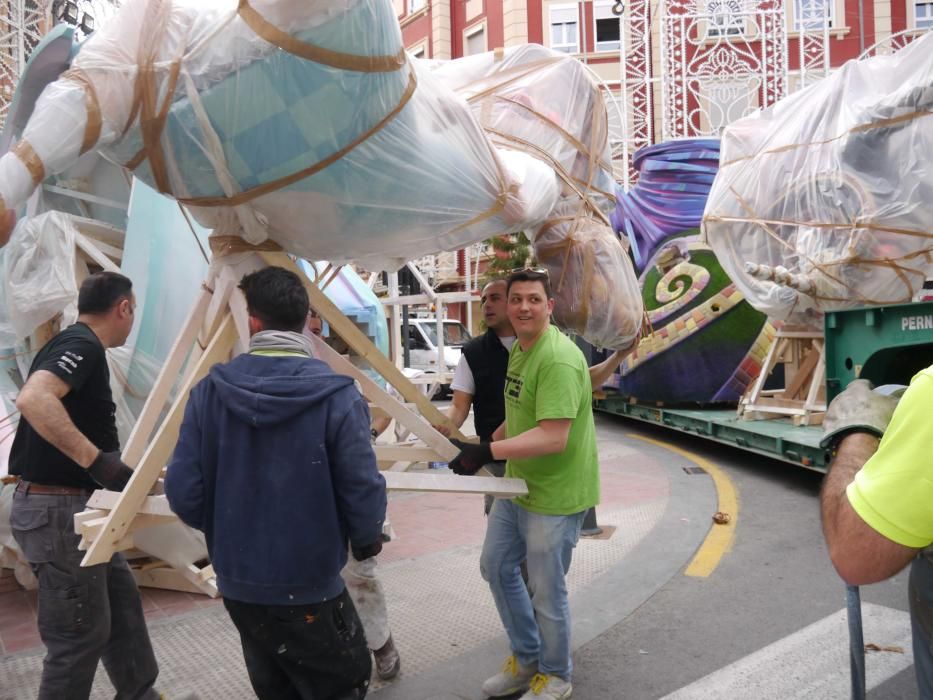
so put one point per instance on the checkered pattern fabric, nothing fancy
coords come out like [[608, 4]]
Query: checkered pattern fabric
[[281, 114]]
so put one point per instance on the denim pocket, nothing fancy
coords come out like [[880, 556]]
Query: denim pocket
[[31, 532]]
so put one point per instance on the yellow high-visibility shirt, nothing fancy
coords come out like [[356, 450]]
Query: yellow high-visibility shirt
[[893, 492]]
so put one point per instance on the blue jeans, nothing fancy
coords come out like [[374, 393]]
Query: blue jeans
[[538, 623], [86, 614], [920, 591]]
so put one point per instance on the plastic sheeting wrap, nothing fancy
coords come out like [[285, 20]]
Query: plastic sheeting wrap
[[822, 202], [304, 122], [548, 106], [595, 289], [39, 273], [545, 104]]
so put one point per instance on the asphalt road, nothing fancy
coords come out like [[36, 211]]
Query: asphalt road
[[776, 581]]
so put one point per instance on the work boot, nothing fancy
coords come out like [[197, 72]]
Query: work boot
[[388, 662], [544, 686], [511, 679]]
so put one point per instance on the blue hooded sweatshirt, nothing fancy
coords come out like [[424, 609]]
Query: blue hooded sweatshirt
[[274, 464]]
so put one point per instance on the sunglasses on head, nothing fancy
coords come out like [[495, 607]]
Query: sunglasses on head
[[535, 271]]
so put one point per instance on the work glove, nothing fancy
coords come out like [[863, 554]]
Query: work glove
[[858, 409], [109, 471], [471, 458], [368, 550]]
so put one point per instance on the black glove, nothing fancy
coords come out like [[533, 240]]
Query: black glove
[[368, 550], [109, 471], [471, 458]]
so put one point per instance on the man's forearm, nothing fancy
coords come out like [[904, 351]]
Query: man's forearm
[[532, 443], [458, 414], [854, 451], [48, 417], [601, 372]]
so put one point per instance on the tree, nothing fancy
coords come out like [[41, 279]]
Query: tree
[[512, 252]]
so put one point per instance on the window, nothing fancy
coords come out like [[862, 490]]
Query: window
[[419, 51], [455, 333], [475, 41], [725, 17], [416, 340], [809, 14], [565, 34], [415, 5], [607, 26], [923, 15]]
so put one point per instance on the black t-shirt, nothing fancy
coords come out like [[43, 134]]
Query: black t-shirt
[[78, 358]]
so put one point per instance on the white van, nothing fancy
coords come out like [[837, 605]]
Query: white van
[[422, 345]]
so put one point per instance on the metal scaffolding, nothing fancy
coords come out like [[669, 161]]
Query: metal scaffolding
[[23, 23]]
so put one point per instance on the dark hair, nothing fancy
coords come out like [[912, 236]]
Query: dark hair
[[536, 274], [102, 291], [276, 297]]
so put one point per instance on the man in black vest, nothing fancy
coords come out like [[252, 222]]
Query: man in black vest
[[479, 380]]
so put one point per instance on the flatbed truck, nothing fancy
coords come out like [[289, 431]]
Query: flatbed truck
[[885, 344]]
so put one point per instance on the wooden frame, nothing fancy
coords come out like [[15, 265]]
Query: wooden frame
[[217, 323], [803, 398]]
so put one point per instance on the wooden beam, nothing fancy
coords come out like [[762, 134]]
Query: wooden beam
[[403, 453], [169, 373], [91, 529], [111, 251], [85, 197], [373, 392], [362, 345], [151, 505], [158, 452], [99, 230], [451, 483], [803, 374], [171, 579], [91, 251]]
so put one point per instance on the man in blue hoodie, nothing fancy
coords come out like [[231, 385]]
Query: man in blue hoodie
[[274, 463]]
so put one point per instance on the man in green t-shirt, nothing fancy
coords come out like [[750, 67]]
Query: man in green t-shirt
[[549, 440], [877, 500]]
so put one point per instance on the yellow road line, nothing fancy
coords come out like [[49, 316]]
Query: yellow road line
[[720, 537]]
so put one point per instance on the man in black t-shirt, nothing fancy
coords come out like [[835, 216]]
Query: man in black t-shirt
[[66, 446]]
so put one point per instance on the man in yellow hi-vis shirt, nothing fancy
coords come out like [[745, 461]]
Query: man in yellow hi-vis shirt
[[877, 500]]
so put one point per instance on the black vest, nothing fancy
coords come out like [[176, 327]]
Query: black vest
[[488, 360]]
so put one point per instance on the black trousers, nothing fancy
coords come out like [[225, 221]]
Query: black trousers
[[86, 614], [304, 652]]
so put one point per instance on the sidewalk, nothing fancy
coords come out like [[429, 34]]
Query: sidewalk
[[441, 612]]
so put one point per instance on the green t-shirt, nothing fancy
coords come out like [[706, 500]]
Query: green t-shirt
[[552, 381], [893, 492]]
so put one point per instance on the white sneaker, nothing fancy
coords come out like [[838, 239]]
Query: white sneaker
[[547, 687], [511, 679]]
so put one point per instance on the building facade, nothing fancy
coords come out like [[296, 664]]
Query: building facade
[[677, 68]]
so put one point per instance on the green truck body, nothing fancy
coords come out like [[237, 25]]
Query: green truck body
[[885, 344]]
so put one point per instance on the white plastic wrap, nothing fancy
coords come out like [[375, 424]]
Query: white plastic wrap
[[822, 202], [595, 289], [39, 272], [544, 103], [356, 152]]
